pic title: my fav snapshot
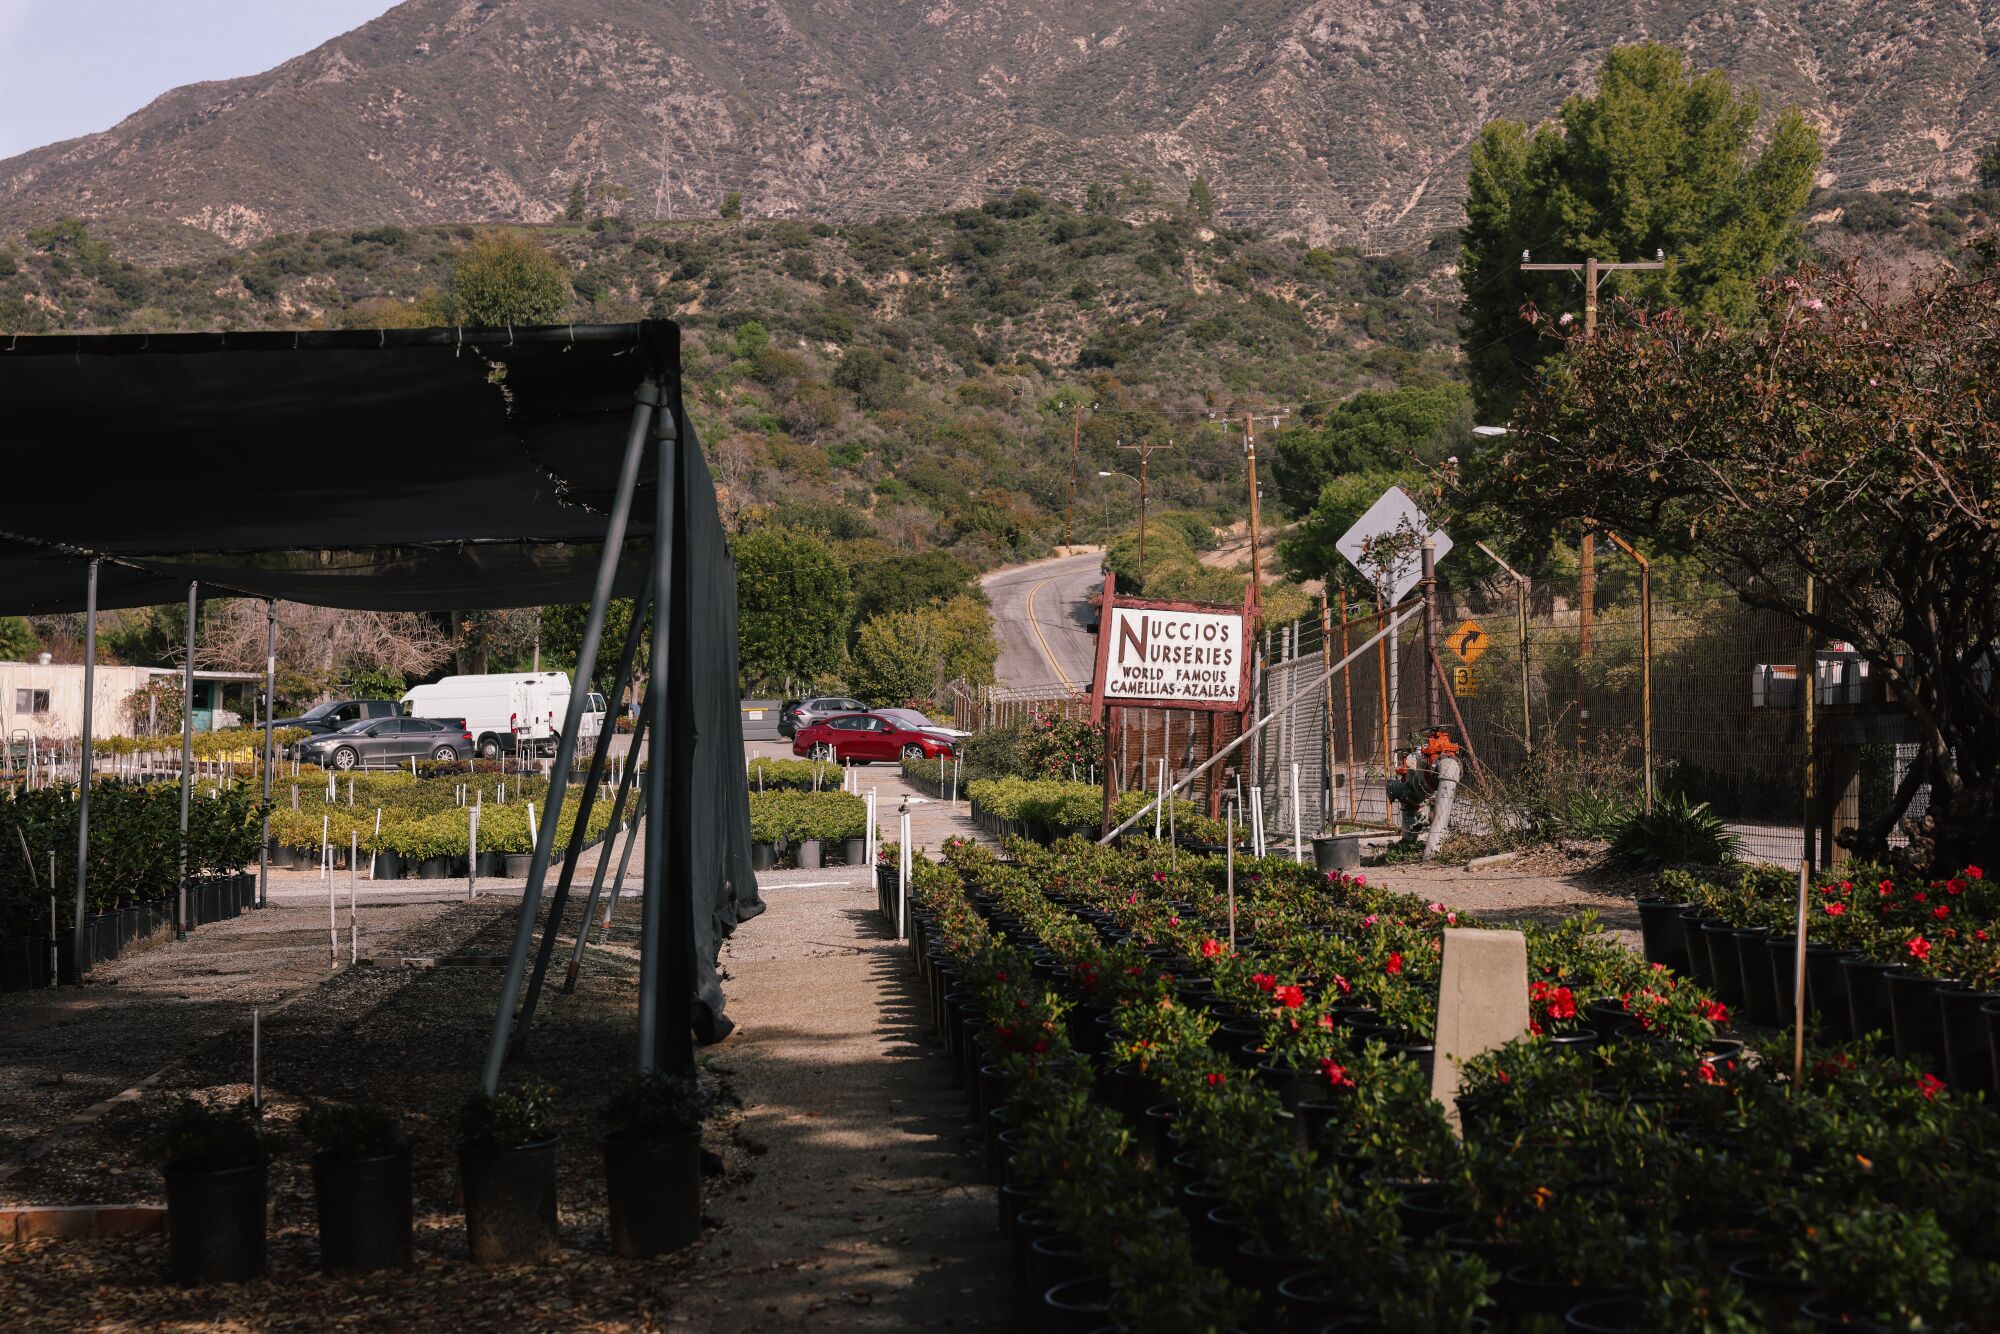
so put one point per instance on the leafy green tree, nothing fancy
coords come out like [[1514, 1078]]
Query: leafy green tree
[[562, 640], [18, 642], [1201, 200], [1989, 166], [905, 656], [792, 605], [732, 204], [578, 201], [504, 277], [905, 581], [1839, 441], [1658, 160], [1373, 431]]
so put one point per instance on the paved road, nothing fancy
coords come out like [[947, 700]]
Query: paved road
[[1041, 615]]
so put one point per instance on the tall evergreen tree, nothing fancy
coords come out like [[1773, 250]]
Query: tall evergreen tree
[[1660, 159]]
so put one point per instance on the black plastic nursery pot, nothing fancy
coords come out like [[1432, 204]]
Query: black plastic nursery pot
[[1663, 936], [388, 866], [510, 1201], [17, 962], [364, 1212], [654, 1193], [1867, 997], [1697, 945], [1760, 1002], [854, 851], [762, 857], [1968, 1051], [1992, 1012], [518, 864], [807, 852], [1916, 1016], [215, 1224], [1826, 991], [1077, 1306], [1725, 970], [434, 868], [492, 864]]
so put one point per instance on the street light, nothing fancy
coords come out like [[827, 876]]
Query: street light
[[1142, 516]]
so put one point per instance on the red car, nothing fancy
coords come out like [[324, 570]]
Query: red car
[[858, 738]]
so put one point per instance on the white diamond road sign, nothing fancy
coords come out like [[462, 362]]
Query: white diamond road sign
[[1386, 543]]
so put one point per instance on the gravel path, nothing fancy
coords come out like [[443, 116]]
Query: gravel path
[[864, 1206]]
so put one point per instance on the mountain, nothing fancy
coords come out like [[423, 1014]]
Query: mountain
[[1331, 119]]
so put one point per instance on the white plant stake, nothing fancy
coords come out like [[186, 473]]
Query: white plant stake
[[1229, 838], [1298, 829], [353, 893], [325, 846]]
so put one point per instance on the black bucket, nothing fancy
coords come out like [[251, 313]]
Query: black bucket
[[215, 1224], [1336, 852], [510, 1201], [654, 1193], [364, 1212]]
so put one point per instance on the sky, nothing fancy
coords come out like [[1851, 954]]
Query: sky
[[71, 67]]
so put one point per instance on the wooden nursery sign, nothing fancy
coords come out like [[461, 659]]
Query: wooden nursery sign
[[1171, 655]]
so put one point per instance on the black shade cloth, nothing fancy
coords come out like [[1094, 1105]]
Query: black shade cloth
[[408, 469]]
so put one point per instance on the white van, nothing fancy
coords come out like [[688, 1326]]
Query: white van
[[507, 711]]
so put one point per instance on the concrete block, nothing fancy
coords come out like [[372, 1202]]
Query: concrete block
[[1482, 1003]]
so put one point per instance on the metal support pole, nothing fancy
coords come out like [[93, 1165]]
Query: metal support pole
[[270, 755], [600, 758], [654, 966], [1384, 659], [1326, 759], [625, 775], [79, 959], [632, 838], [1431, 633], [187, 761], [593, 632]]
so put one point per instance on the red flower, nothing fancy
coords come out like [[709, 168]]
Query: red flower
[[1715, 1012], [999, 974], [1940, 912], [1265, 982], [1214, 1080], [1336, 1073], [1706, 1073], [1919, 948], [1290, 997], [1562, 1005], [1921, 897], [1326, 1022], [1395, 964], [1836, 910], [1159, 877], [1346, 987], [1973, 873], [1928, 1084], [1210, 948]]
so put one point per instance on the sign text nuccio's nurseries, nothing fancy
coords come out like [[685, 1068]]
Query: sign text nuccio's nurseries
[[1195, 656]]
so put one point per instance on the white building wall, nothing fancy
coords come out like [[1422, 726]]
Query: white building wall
[[64, 682]]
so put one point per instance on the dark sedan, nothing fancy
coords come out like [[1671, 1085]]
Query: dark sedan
[[861, 738], [802, 713], [387, 743]]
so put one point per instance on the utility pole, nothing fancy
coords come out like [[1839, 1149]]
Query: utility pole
[[1256, 572], [1144, 449], [1075, 445], [1592, 270]]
